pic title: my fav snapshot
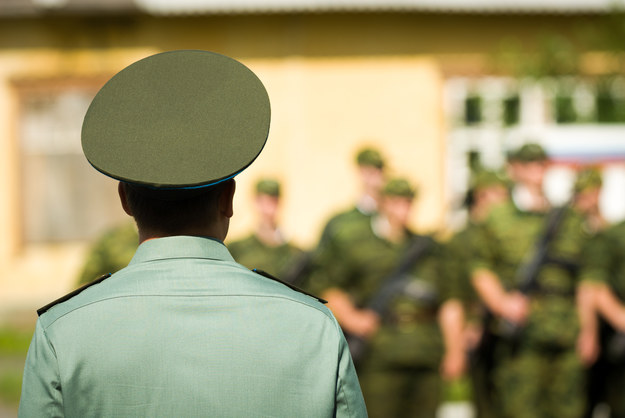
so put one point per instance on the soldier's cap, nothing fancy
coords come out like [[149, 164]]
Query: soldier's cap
[[399, 187], [588, 178], [178, 120], [487, 178], [530, 152], [370, 157], [269, 187]]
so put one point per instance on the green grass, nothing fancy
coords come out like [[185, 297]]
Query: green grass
[[10, 387], [14, 342], [458, 390]]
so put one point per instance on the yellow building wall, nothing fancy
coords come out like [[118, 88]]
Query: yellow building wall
[[33, 273], [324, 110]]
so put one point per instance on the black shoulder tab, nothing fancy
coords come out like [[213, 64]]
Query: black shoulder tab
[[289, 285], [70, 295]]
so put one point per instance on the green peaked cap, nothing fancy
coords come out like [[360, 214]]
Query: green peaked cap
[[269, 187], [177, 120], [400, 187]]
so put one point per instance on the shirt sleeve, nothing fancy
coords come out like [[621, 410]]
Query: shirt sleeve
[[41, 384], [595, 259], [349, 399]]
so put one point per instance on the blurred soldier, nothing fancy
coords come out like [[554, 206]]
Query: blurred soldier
[[526, 276], [371, 167], [587, 191], [487, 190], [604, 268], [266, 248], [371, 174], [395, 312], [110, 253], [607, 261]]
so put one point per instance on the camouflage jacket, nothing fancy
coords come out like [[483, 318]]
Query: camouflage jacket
[[457, 267], [603, 258], [110, 253], [254, 254]]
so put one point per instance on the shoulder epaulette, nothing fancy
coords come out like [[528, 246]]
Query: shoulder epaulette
[[289, 285], [70, 295]]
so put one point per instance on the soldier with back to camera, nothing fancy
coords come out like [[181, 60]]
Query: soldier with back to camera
[[184, 330]]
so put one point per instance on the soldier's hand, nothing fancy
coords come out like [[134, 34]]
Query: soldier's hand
[[587, 347], [361, 322], [514, 307], [453, 364], [473, 335]]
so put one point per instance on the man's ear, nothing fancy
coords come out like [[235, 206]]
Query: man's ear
[[121, 190], [226, 199]]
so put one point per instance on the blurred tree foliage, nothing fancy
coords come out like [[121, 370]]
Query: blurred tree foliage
[[556, 56]]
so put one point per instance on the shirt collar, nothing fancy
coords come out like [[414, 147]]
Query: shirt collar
[[181, 246]]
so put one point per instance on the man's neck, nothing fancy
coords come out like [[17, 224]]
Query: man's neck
[[385, 229], [530, 199], [269, 234], [215, 233]]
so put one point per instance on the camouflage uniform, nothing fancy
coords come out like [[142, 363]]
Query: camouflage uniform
[[604, 262], [365, 157], [110, 253], [538, 374], [254, 254], [275, 258], [336, 225], [457, 267], [400, 373]]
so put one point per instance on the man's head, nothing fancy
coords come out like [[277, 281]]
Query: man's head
[[371, 169], [184, 212], [268, 200], [397, 198], [587, 190], [487, 189], [528, 165], [175, 128]]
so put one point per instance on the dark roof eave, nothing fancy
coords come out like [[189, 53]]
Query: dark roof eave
[[29, 8]]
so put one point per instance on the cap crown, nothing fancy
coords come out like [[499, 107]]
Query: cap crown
[[178, 119]]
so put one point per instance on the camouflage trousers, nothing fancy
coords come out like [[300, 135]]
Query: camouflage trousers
[[606, 383], [615, 382], [540, 384], [396, 392]]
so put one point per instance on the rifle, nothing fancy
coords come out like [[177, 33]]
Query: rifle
[[527, 272], [298, 271], [389, 287]]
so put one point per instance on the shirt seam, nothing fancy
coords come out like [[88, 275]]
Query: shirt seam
[[189, 296]]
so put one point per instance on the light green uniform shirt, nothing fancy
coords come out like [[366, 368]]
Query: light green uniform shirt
[[185, 331]]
